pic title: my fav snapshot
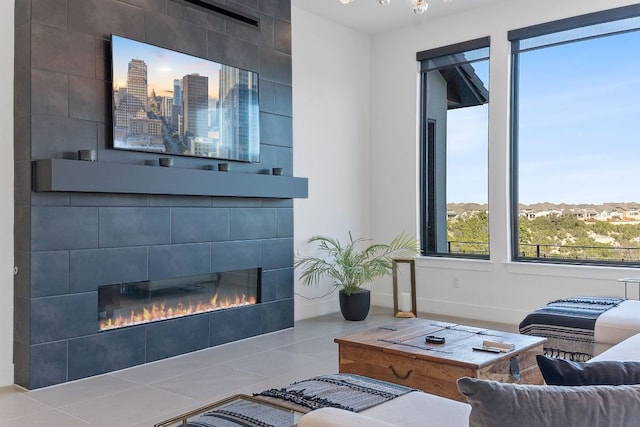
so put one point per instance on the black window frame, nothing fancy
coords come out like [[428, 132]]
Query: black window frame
[[515, 37], [427, 155]]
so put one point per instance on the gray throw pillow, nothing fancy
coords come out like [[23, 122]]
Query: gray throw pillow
[[495, 404], [565, 372]]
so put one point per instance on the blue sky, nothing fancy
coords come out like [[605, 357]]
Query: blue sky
[[467, 155], [163, 66], [467, 151], [580, 122], [579, 138]]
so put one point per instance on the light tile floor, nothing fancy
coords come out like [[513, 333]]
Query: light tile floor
[[147, 394]]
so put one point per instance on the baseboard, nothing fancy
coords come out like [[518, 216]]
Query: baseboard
[[471, 311], [457, 309], [304, 309], [6, 374]]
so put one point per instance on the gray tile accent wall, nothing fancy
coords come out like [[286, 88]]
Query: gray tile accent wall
[[236, 255], [105, 352], [48, 364], [63, 227], [236, 323], [49, 273], [170, 261], [62, 317], [88, 269], [199, 225], [277, 284], [130, 226], [61, 137], [69, 244], [253, 223], [177, 336]]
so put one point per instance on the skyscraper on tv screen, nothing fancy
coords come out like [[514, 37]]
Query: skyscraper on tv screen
[[195, 104], [238, 95], [136, 88]]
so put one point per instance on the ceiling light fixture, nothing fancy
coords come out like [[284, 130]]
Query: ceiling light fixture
[[418, 6]]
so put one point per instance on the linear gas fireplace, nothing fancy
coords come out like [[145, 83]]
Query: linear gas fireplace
[[129, 304]]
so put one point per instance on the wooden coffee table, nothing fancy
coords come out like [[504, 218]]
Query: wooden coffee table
[[398, 353]]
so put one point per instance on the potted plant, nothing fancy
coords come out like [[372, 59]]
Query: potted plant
[[351, 266]]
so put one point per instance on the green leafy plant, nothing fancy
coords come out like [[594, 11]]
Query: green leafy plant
[[351, 265]]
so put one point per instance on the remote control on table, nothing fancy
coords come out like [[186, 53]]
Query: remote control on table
[[488, 349]]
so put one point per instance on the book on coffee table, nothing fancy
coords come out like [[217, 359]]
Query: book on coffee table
[[504, 347]]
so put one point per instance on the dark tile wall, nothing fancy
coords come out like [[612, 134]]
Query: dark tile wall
[[68, 244]]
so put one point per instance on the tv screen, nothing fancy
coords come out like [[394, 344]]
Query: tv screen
[[173, 103]]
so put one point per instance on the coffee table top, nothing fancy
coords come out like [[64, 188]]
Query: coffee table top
[[406, 337]]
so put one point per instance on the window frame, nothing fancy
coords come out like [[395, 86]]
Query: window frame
[[427, 158], [515, 37]]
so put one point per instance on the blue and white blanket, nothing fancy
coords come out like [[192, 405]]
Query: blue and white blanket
[[345, 391], [568, 325]]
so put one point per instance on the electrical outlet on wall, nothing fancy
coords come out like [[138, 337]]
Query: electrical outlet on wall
[[455, 282]]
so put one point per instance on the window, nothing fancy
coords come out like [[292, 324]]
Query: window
[[454, 149], [576, 139]]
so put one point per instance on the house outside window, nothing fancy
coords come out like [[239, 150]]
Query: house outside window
[[454, 150], [575, 140]]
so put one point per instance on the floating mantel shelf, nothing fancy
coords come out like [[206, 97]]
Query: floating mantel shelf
[[99, 177]]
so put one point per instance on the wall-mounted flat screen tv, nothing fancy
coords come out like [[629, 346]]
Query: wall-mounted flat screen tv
[[172, 103]]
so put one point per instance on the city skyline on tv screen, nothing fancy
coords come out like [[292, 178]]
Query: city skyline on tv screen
[[172, 103]]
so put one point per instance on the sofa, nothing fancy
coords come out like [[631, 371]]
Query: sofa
[[619, 403]]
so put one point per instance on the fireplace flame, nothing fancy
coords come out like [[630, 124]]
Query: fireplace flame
[[162, 312]]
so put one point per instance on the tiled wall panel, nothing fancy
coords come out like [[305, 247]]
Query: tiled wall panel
[[235, 324], [132, 226], [173, 337], [88, 269], [105, 352], [199, 225], [49, 273], [69, 244], [169, 261], [48, 364], [63, 317]]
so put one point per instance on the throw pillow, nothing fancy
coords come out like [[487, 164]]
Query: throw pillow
[[495, 404], [565, 372]]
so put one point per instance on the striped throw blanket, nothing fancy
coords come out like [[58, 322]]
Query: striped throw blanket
[[568, 325], [345, 391]]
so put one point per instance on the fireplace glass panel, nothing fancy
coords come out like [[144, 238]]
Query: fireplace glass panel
[[128, 304]]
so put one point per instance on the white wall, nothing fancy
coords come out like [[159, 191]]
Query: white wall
[[338, 126], [331, 140], [496, 289], [6, 193]]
